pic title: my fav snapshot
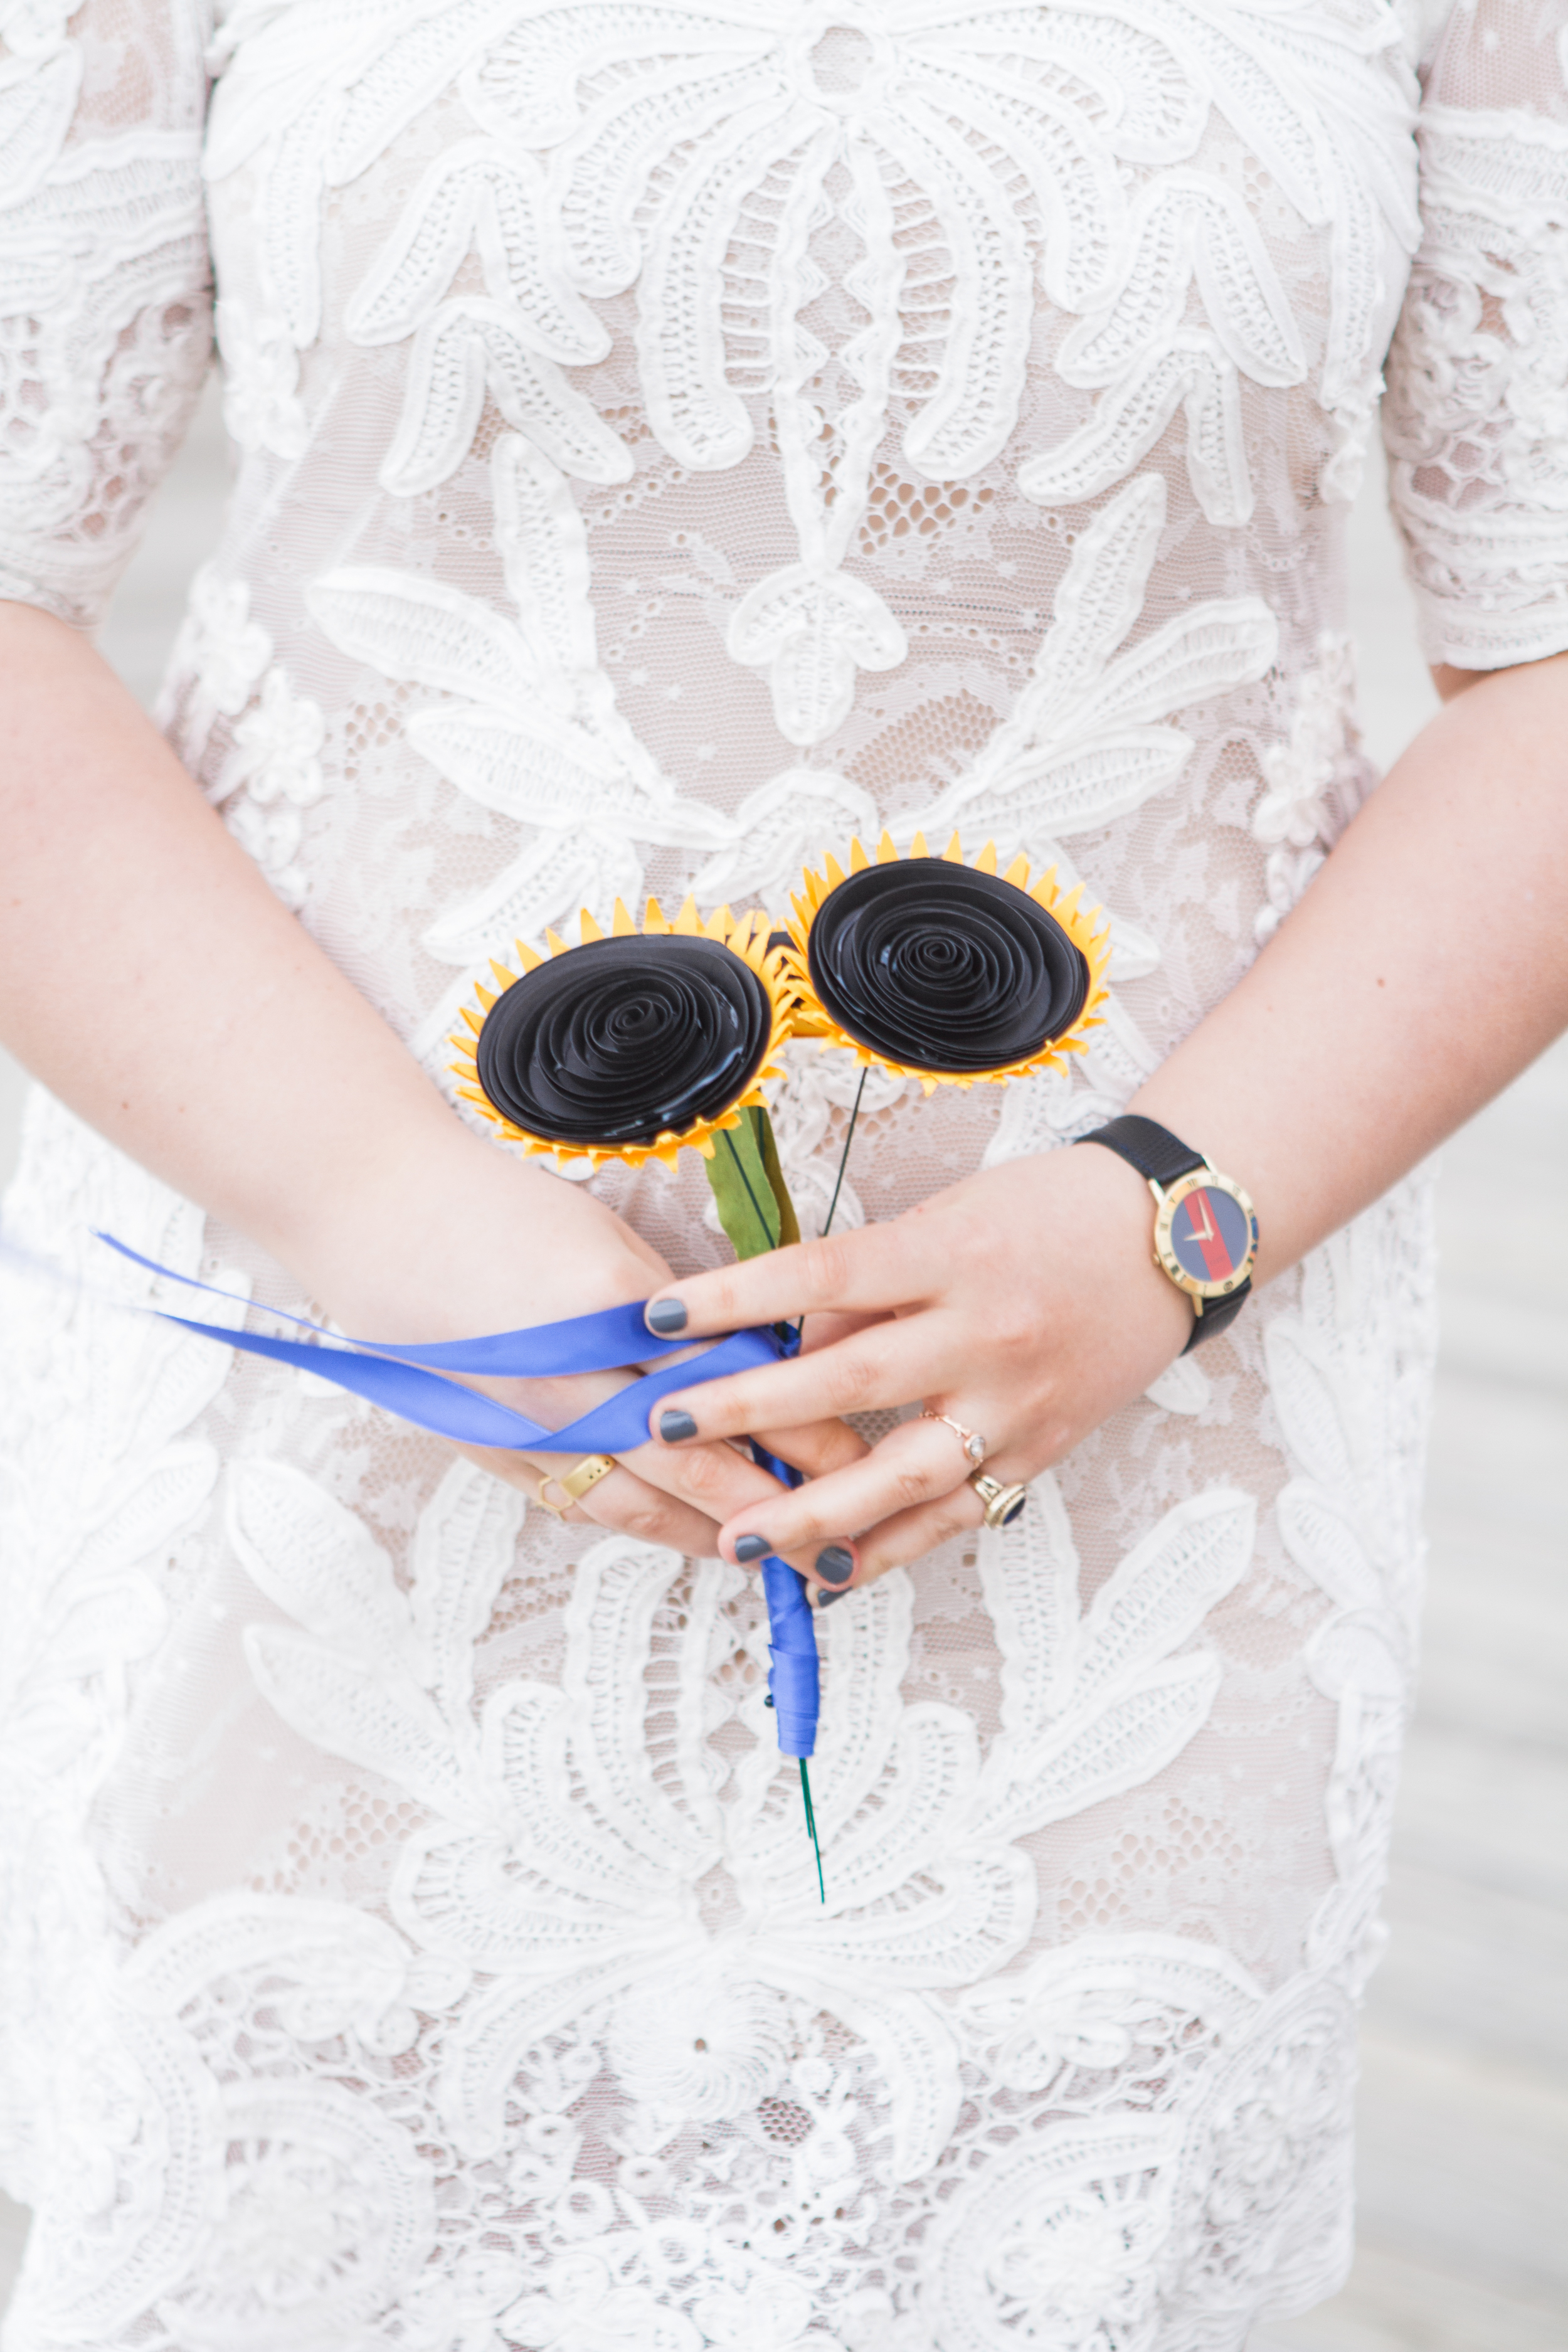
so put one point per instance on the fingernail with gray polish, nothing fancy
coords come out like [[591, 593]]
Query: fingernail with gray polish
[[827, 1600], [666, 1317], [836, 1565], [750, 1547], [675, 1426]]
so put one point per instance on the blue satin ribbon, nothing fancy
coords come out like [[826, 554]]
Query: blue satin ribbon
[[795, 1676], [403, 1381], [408, 1382]]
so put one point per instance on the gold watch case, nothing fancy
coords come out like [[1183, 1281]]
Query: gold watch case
[[1205, 1220]]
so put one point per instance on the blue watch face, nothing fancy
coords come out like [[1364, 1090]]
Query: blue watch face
[[1211, 1236]]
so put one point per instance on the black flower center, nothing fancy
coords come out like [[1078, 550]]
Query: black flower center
[[623, 1040], [937, 967]]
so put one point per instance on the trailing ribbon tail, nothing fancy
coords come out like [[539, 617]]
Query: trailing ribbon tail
[[604, 1342], [422, 1398], [411, 1383], [403, 1381]]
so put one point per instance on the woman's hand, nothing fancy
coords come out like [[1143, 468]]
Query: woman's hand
[[501, 1245], [226, 1053], [1024, 1302]]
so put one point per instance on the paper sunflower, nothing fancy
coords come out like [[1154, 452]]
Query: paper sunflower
[[630, 1046], [943, 971]]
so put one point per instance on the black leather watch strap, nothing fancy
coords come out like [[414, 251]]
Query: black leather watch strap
[[1217, 1313], [1159, 1156]]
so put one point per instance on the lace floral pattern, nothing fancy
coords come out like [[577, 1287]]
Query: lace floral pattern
[[1479, 416], [276, 761], [1302, 809], [107, 328], [221, 653], [673, 438]]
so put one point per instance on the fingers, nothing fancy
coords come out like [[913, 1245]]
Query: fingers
[[865, 1272], [631, 1506], [622, 1501], [888, 1364], [900, 1542], [681, 1496], [678, 1499], [827, 1328], [917, 1463], [656, 1494], [816, 1447]]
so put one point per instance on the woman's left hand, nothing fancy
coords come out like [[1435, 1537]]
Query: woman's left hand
[[1024, 1302]]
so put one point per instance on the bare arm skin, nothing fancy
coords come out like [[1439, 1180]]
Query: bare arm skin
[[153, 982], [222, 1050], [1426, 967], [1429, 970]]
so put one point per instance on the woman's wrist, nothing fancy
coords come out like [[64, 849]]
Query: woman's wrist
[[440, 1234], [1122, 1229], [378, 1226], [1205, 1230]]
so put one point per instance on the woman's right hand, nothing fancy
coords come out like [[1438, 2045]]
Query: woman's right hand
[[451, 1237], [206, 1034]]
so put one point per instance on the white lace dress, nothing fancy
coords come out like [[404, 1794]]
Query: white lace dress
[[674, 435]]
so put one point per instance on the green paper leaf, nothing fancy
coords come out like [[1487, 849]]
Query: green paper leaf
[[748, 1208], [789, 1223], [748, 1183]]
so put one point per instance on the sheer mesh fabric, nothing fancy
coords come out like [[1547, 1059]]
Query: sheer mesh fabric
[[672, 439], [1480, 373]]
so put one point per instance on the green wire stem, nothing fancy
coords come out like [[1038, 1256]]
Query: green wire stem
[[741, 1171], [844, 1155], [811, 1825], [832, 1206]]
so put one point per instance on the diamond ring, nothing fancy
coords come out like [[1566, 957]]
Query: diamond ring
[[970, 1439]]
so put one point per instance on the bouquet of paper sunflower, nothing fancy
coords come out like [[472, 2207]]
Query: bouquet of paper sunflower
[[638, 1044]]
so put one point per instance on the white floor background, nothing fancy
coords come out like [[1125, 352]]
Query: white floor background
[[1464, 2095]]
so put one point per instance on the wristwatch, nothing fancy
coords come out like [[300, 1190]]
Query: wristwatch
[[1205, 1228]]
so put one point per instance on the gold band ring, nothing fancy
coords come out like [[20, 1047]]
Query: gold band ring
[[1003, 1504], [575, 1483], [970, 1439]]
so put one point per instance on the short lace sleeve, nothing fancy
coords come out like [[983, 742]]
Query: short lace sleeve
[[1477, 414], [105, 285]]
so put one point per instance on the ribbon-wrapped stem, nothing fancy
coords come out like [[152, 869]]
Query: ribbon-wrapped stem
[[757, 1213]]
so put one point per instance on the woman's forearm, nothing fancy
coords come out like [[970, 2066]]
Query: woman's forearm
[[1427, 965], [151, 980], [149, 976]]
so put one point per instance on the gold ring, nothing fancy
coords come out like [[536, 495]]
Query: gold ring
[[575, 1483], [1003, 1504], [970, 1439]]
